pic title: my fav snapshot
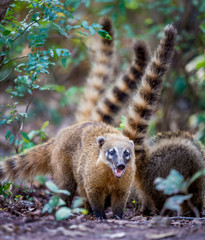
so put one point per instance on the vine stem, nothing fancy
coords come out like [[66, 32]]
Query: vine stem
[[22, 124]]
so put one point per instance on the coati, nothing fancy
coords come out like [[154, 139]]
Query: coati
[[168, 150], [99, 75], [111, 102], [92, 155]]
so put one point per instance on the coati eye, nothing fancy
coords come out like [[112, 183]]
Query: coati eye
[[127, 154], [111, 153]]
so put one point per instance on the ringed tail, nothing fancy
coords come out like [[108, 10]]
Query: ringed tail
[[26, 166], [99, 76], [114, 98], [145, 100]]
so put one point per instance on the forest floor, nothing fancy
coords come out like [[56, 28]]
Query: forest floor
[[23, 220]]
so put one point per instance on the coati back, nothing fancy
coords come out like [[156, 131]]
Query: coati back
[[111, 102], [169, 150], [93, 156], [100, 73], [177, 151]]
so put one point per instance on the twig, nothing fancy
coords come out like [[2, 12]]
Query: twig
[[15, 59], [22, 123], [24, 30], [186, 218], [193, 208]]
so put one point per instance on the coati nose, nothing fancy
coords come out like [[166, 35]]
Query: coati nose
[[121, 166]]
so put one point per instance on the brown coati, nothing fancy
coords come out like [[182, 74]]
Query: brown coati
[[92, 155], [99, 75], [168, 150], [113, 99]]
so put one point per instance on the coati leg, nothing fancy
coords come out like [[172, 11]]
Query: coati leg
[[83, 195], [118, 202], [96, 198], [62, 174], [66, 182]]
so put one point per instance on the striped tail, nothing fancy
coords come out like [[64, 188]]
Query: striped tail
[[26, 166], [113, 100], [100, 74], [146, 98]]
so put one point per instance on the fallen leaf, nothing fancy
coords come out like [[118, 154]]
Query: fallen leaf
[[115, 235], [161, 235]]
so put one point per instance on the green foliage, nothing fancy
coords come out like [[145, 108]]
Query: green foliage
[[176, 184], [42, 19], [57, 205], [172, 184], [4, 189], [123, 118]]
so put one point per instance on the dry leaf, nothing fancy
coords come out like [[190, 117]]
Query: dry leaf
[[161, 235], [115, 235]]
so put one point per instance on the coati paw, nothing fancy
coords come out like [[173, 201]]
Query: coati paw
[[99, 215]]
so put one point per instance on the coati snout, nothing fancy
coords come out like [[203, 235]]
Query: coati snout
[[116, 154]]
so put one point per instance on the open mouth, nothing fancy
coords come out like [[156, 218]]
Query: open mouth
[[118, 173]]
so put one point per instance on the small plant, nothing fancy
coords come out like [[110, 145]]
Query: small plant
[[56, 202], [4, 190], [176, 184], [122, 123]]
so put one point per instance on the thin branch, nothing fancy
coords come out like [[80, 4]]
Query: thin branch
[[186, 218], [24, 30], [22, 123], [14, 59]]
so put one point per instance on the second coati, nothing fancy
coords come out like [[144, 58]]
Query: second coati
[[92, 156], [168, 150]]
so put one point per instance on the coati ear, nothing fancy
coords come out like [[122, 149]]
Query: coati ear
[[100, 141], [133, 145]]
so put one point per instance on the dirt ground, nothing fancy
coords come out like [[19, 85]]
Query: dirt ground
[[23, 220]]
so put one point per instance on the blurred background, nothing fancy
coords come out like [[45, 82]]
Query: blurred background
[[46, 50]]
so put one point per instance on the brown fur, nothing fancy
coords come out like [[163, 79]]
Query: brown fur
[[100, 73], [177, 151], [76, 157], [169, 150], [114, 98]]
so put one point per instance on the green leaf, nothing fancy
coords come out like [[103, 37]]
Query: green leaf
[[96, 25], [7, 135], [41, 179], [54, 201], [25, 136], [66, 192], [83, 33], [196, 176], [84, 24], [63, 213], [63, 60], [77, 203], [61, 202], [104, 34], [11, 139], [52, 186], [173, 203], [92, 30], [6, 32], [174, 183], [58, 52], [45, 124]]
